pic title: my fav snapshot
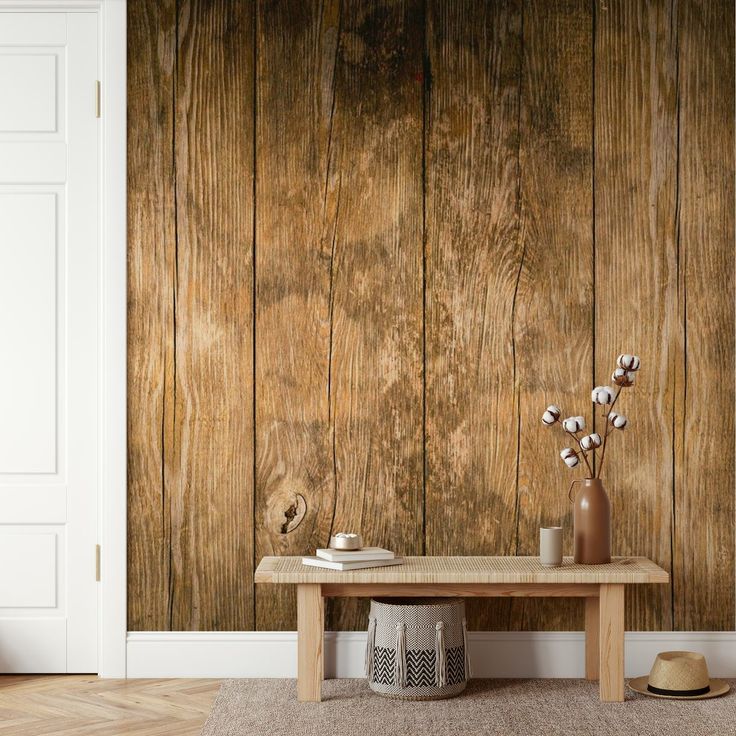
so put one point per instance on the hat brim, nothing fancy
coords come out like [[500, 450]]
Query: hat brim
[[717, 688]]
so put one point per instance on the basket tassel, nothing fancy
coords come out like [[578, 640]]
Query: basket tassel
[[440, 670], [467, 651], [369, 646], [400, 662]]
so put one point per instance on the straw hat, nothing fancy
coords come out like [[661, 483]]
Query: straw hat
[[681, 676]]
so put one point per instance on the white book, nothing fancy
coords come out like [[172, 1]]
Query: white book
[[319, 562], [356, 555]]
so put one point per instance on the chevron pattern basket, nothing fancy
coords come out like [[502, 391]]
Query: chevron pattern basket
[[417, 648]]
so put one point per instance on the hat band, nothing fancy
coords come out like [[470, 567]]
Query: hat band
[[662, 691]]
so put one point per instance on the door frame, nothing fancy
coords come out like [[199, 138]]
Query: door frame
[[112, 321], [113, 615]]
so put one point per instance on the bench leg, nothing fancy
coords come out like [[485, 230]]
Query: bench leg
[[612, 643], [310, 616], [592, 646]]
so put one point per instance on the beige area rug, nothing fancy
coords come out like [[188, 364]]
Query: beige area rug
[[507, 707]]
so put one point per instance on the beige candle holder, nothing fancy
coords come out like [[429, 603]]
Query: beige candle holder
[[550, 546], [346, 540]]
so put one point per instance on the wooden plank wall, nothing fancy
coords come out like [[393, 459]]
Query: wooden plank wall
[[339, 281], [191, 316], [369, 242]]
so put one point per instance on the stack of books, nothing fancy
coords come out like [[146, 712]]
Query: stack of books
[[344, 559]]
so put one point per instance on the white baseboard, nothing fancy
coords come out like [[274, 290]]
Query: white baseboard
[[493, 654]]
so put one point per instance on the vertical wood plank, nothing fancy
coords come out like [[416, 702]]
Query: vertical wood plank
[[611, 638], [554, 300], [636, 277], [340, 265], [376, 353], [704, 425], [473, 257], [212, 507], [310, 642], [592, 637], [295, 222], [151, 257]]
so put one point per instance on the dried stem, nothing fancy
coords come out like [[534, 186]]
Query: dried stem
[[574, 435], [608, 429], [582, 452]]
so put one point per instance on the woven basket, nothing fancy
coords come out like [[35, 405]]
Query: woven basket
[[417, 648]]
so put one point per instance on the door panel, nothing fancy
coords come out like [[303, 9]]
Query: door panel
[[49, 263], [28, 91], [40, 29], [28, 162], [30, 582], [28, 230], [28, 645]]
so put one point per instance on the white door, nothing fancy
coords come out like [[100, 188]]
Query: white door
[[49, 234]]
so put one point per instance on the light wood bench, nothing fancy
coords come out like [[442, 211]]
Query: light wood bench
[[602, 586]]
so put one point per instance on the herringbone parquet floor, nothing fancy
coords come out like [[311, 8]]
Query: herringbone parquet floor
[[83, 705]]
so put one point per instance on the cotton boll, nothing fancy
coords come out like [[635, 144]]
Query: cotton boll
[[591, 441], [570, 457], [628, 362], [622, 377], [573, 424], [551, 415], [602, 395], [619, 421]]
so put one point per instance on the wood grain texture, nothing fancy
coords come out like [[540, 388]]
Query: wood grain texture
[[343, 286], [290, 570], [473, 257], [473, 591], [592, 637], [85, 705], [377, 309], [552, 336], [310, 643], [151, 274], [704, 419], [636, 277], [611, 641], [212, 465], [403, 228], [295, 223]]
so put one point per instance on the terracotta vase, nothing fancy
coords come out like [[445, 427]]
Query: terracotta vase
[[591, 522]]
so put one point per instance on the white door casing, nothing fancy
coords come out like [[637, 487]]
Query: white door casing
[[49, 341]]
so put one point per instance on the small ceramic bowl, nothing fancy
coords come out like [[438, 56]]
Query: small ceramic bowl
[[345, 540]]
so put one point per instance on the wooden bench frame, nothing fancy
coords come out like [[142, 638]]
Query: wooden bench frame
[[604, 608], [604, 623]]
